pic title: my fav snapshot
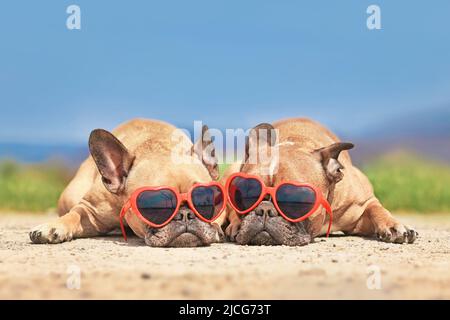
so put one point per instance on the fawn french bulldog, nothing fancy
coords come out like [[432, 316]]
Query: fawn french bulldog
[[138, 153], [272, 197]]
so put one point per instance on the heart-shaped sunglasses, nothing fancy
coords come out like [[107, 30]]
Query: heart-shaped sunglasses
[[157, 206], [293, 200]]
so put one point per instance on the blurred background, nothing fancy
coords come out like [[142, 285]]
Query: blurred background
[[230, 64]]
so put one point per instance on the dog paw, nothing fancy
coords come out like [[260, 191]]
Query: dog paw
[[50, 233], [232, 230], [398, 233]]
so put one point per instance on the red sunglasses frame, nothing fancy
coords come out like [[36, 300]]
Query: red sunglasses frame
[[181, 197], [272, 191]]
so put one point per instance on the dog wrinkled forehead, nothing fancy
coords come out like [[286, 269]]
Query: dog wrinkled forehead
[[149, 172], [300, 165], [288, 161]]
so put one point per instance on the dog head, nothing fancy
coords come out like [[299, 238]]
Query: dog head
[[123, 170], [275, 162]]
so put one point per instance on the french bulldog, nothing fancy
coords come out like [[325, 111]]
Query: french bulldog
[[138, 153], [308, 152]]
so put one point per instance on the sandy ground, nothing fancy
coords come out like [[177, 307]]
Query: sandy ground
[[335, 268]]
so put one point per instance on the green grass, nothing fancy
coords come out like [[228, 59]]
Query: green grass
[[31, 188], [404, 182], [222, 168], [401, 181]]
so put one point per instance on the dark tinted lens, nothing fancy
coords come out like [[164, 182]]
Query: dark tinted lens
[[295, 201], [207, 201], [157, 206], [244, 192]]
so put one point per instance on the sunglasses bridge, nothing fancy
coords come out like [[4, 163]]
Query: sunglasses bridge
[[183, 197], [268, 191]]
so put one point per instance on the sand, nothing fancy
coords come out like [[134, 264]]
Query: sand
[[339, 267]]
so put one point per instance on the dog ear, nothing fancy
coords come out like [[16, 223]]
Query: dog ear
[[205, 150], [261, 136], [329, 158], [112, 159]]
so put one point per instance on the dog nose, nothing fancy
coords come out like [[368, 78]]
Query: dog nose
[[266, 208], [184, 214]]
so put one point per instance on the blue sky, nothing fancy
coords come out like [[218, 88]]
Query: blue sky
[[228, 63]]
